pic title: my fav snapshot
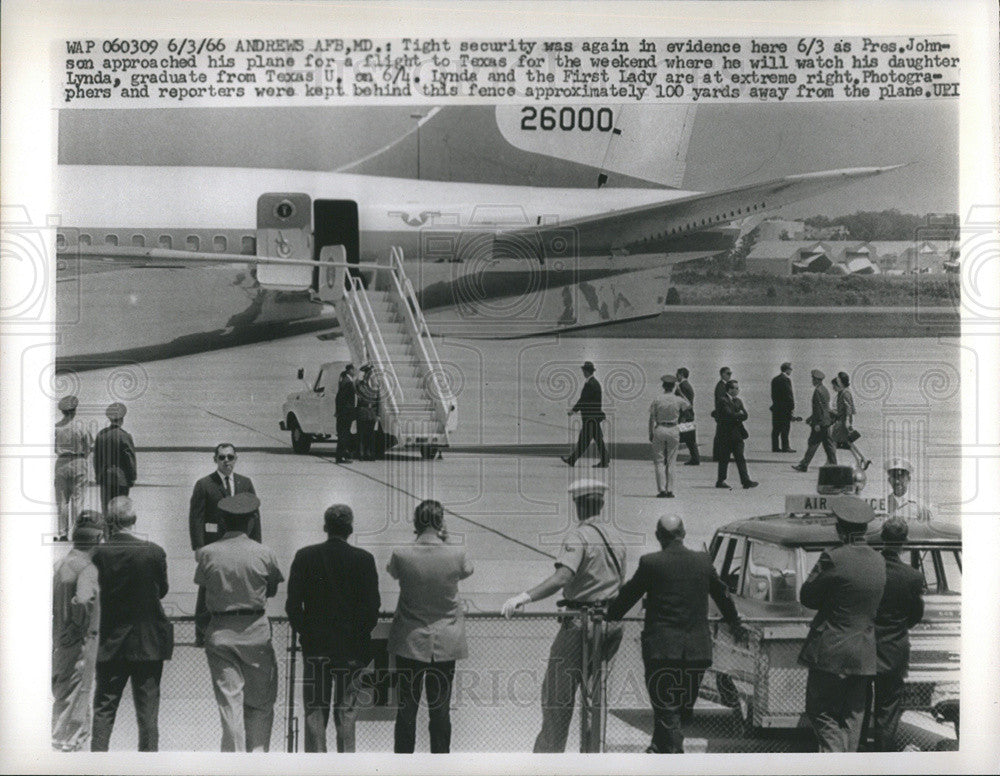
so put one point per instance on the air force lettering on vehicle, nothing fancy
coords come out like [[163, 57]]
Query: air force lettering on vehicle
[[819, 505]]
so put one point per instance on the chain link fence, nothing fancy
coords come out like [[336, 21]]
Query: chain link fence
[[751, 700]]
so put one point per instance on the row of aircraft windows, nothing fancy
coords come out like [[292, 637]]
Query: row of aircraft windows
[[219, 243]]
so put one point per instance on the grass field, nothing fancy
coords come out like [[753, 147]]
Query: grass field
[[813, 290]]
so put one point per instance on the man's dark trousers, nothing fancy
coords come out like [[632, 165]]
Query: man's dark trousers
[[112, 676], [345, 441], [836, 706], [731, 446], [439, 678], [327, 683], [673, 689], [781, 423], [590, 430]]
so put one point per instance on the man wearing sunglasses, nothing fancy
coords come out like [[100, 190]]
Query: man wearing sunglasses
[[203, 517]]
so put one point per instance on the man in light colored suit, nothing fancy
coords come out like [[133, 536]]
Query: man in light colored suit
[[428, 631]]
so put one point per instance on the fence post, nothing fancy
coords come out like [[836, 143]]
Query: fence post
[[291, 729]]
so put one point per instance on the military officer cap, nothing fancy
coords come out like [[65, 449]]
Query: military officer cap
[[115, 411], [587, 487], [899, 464], [240, 504], [68, 403], [588, 366], [852, 509], [668, 379], [817, 374]]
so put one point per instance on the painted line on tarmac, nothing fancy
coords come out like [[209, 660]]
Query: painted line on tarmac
[[371, 477]]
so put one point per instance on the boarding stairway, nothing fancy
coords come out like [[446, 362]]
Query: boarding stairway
[[384, 326]]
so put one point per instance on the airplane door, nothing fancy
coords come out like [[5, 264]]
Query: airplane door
[[335, 222], [283, 232]]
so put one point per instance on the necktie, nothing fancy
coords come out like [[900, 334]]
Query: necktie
[[229, 487]]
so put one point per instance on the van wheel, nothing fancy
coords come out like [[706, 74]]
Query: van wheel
[[301, 441], [428, 452]]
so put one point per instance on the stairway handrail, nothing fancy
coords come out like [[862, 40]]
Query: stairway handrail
[[374, 342], [419, 324]]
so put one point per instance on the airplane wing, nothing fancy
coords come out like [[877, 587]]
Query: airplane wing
[[167, 258], [628, 228]]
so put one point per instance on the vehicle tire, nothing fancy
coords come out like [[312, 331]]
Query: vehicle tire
[[428, 452], [301, 441]]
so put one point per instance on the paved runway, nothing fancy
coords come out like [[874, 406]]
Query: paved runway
[[502, 480]]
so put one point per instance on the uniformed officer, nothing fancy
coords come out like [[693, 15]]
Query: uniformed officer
[[239, 575], [846, 587], [901, 608], [73, 445], [819, 424], [664, 437], [901, 503], [590, 567], [114, 456]]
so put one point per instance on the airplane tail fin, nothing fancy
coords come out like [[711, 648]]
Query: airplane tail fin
[[648, 142], [545, 145]]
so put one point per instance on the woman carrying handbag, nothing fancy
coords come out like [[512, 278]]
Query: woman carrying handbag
[[842, 431]]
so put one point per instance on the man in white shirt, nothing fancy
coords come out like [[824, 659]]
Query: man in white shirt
[[901, 503]]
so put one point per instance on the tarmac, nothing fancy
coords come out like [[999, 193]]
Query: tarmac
[[501, 480]]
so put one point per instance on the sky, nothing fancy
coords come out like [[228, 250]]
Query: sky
[[730, 145]]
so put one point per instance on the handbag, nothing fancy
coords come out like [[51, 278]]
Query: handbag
[[686, 428]]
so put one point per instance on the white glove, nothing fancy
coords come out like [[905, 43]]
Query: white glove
[[512, 604]]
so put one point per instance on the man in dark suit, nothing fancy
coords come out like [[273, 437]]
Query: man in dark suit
[[676, 642], [114, 457], [845, 587], [345, 404], [589, 407], [901, 608], [333, 602], [689, 438], [136, 636], [725, 375], [819, 425], [369, 397], [730, 414], [782, 407], [203, 516], [204, 520]]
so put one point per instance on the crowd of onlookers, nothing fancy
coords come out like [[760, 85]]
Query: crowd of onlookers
[[110, 629]]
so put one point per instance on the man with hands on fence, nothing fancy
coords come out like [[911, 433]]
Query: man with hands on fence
[[676, 641], [590, 567]]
